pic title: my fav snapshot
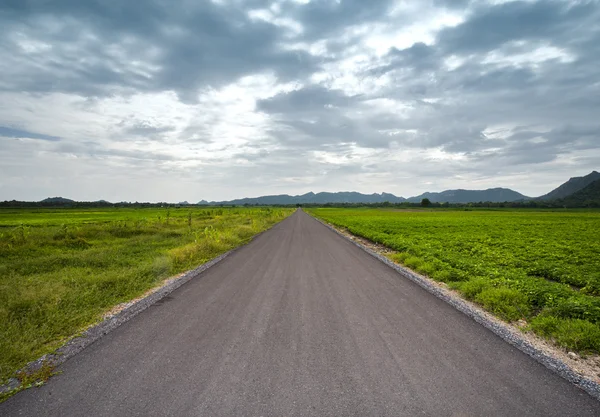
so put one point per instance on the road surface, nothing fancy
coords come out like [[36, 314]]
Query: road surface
[[302, 322]]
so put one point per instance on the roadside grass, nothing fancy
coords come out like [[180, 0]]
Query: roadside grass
[[61, 270], [539, 266]]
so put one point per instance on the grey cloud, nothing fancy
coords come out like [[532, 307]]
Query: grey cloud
[[419, 56], [317, 117], [535, 147], [251, 157], [198, 132], [332, 130], [482, 78], [491, 27], [416, 60], [312, 98], [182, 47], [144, 128], [452, 4], [97, 150], [95, 46], [324, 18], [9, 132]]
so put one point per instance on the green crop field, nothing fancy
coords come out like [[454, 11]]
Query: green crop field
[[539, 266], [61, 269]]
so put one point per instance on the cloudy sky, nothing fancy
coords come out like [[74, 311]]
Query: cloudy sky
[[171, 100]]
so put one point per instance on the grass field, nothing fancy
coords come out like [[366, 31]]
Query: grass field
[[538, 266], [60, 270]]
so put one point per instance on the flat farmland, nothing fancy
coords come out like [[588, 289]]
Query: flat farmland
[[62, 269], [539, 267]]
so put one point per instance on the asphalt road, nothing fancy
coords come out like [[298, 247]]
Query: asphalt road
[[302, 322]]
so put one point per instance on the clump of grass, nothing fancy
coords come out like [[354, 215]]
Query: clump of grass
[[426, 268], [400, 257], [506, 303], [442, 275], [413, 262], [472, 288], [574, 334]]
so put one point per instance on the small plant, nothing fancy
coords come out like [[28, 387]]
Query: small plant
[[31, 378], [62, 233], [211, 233], [42, 374], [140, 223], [20, 234]]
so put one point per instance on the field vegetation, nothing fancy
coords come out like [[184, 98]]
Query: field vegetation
[[62, 269], [542, 267]]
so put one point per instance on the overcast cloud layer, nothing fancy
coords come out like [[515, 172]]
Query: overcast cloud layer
[[163, 100]]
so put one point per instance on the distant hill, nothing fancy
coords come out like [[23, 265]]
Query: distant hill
[[57, 200], [312, 198], [572, 186], [589, 196], [494, 195]]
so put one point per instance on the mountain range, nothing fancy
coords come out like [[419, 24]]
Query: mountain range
[[493, 195], [576, 192], [450, 196], [312, 198]]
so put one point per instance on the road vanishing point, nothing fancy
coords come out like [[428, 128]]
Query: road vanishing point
[[302, 322]]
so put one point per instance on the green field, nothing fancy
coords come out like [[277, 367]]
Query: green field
[[539, 266], [60, 270]]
